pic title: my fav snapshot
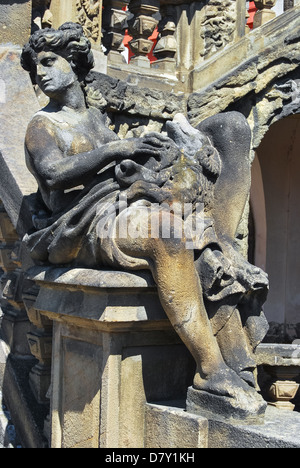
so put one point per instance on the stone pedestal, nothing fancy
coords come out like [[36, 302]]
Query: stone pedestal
[[114, 350], [224, 408]]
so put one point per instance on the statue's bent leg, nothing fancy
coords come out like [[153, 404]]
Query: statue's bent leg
[[236, 350], [180, 292]]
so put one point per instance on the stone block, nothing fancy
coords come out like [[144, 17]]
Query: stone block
[[280, 430], [14, 327], [15, 21], [263, 16], [169, 426]]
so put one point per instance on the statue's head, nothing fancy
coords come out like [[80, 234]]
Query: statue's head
[[55, 58]]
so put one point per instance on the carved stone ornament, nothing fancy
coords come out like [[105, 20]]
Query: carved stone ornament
[[169, 203], [261, 4], [89, 14]]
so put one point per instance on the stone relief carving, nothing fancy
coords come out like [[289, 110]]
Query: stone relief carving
[[88, 16], [218, 25], [270, 80], [104, 202]]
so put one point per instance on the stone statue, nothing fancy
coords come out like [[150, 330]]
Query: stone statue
[[92, 184]]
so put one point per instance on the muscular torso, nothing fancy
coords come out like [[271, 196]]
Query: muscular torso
[[73, 133], [79, 132]]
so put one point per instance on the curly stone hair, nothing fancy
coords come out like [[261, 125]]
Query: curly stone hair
[[67, 41]]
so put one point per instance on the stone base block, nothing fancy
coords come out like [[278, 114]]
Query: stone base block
[[114, 351], [280, 430], [169, 426], [263, 16]]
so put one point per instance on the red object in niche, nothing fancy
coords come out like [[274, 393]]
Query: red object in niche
[[252, 10]]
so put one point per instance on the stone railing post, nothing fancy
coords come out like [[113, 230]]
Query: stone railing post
[[166, 47], [264, 13], [114, 25], [281, 364], [141, 27]]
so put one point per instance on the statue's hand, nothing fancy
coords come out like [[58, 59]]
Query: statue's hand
[[162, 148]]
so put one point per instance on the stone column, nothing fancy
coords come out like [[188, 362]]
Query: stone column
[[63, 11], [166, 47], [40, 343], [114, 351]]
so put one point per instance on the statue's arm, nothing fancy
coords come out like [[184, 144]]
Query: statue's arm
[[46, 161]]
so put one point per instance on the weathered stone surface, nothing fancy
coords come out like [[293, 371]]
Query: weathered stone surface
[[118, 332], [219, 320], [169, 426], [121, 317], [8, 437], [27, 415], [262, 66], [280, 430], [287, 355], [16, 94], [68, 292], [132, 108], [15, 21]]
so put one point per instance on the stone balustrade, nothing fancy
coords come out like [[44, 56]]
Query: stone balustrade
[[211, 25], [281, 363]]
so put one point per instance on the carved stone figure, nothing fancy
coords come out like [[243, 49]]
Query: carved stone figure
[[92, 184]]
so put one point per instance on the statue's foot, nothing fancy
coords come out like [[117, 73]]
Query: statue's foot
[[226, 394]]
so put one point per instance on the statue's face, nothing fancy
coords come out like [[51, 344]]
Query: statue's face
[[54, 74]]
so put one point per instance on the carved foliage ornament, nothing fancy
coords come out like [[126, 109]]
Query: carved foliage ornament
[[89, 12]]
